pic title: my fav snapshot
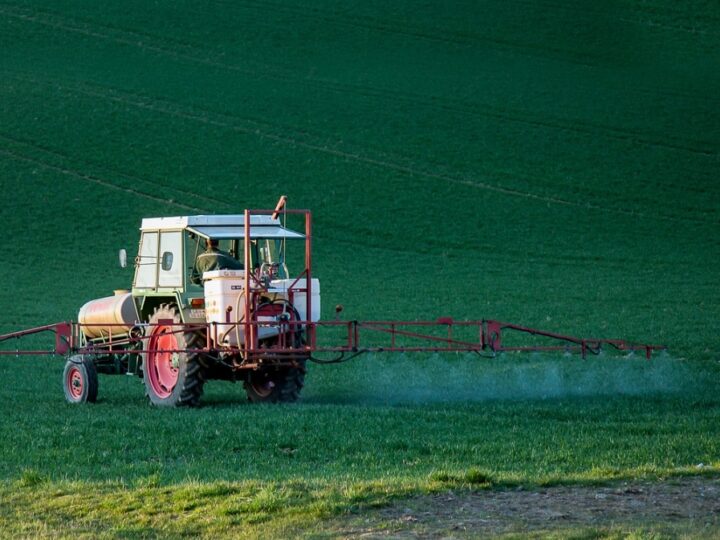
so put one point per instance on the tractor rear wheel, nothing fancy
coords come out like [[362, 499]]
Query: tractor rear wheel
[[80, 380], [172, 378]]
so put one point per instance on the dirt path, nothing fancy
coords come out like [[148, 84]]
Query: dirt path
[[682, 506]]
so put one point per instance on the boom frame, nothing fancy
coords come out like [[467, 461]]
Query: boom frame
[[360, 337]]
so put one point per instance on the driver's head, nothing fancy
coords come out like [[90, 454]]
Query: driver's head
[[212, 242]]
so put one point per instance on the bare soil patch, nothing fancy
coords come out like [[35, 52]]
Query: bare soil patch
[[677, 507]]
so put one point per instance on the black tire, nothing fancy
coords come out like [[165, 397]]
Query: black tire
[[172, 379], [80, 380], [275, 385], [279, 384]]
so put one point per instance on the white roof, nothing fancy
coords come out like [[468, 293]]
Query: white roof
[[228, 226], [258, 231]]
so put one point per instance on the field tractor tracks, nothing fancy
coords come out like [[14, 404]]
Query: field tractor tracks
[[304, 140], [466, 38], [89, 178], [172, 192], [531, 259], [185, 51], [236, 124], [365, 22], [175, 49], [350, 19], [627, 12], [46, 162]]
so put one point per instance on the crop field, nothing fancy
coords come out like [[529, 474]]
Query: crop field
[[552, 164]]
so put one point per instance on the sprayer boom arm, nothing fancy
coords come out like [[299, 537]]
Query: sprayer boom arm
[[343, 337]]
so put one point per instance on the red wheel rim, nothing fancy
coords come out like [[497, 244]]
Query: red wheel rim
[[75, 383], [162, 369]]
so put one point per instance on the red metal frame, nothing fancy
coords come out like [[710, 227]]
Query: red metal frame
[[64, 338], [251, 345], [360, 337]]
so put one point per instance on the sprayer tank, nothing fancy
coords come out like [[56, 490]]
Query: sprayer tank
[[110, 315], [224, 304]]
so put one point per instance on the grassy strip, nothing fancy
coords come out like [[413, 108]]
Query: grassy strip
[[35, 506]]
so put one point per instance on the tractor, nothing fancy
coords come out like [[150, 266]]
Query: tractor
[[177, 328]]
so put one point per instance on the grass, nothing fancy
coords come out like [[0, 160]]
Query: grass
[[550, 165], [351, 437], [230, 468]]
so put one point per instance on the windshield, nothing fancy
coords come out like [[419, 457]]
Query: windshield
[[264, 253], [271, 252]]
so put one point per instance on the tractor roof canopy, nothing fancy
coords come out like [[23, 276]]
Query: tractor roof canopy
[[228, 226]]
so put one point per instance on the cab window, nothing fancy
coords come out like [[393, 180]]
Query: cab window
[[146, 269], [170, 271]]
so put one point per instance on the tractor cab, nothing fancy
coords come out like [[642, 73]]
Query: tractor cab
[[166, 267]]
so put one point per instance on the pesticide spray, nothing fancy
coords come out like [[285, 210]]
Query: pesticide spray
[[415, 379]]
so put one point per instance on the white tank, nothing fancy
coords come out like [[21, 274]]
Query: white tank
[[99, 314], [225, 303]]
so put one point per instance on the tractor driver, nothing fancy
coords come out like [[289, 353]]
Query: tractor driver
[[213, 258]]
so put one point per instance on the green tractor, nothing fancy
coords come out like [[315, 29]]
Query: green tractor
[[242, 317]]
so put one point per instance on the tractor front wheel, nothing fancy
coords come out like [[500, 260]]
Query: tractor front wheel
[[80, 380], [276, 386], [173, 377], [279, 384]]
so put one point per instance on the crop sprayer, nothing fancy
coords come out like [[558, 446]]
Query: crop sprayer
[[254, 322]]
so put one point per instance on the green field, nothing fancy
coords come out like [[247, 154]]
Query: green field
[[553, 164]]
